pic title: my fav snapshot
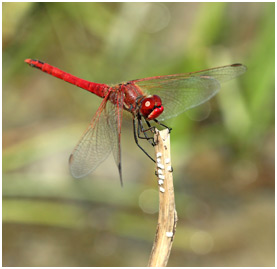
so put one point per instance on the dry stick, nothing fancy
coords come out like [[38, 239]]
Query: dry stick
[[167, 214]]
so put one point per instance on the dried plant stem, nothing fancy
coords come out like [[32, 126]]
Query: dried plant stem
[[167, 214]]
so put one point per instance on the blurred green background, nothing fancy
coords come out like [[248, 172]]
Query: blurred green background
[[222, 152]]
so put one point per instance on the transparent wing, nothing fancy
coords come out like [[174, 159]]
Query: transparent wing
[[100, 138], [114, 110], [93, 147], [181, 92]]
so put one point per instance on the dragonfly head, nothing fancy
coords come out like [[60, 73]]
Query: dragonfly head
[[151, 107]]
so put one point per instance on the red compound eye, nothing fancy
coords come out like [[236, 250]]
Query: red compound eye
[[151, 107]]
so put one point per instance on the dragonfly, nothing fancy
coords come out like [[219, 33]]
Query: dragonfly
[[148, 99]]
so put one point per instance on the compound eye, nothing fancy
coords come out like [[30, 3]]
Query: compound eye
[[157, 99], [151, 107], [148, 103], [147, 106]]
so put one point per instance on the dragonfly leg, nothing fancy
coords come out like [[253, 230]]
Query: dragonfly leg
[[136, 139], [169, 128], [152, 129], [141, 129]]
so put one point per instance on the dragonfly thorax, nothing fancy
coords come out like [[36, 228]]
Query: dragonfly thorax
[[151, 107]]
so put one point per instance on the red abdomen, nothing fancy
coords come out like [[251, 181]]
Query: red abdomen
[[96, 88]]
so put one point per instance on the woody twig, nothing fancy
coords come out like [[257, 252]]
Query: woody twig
[[167, 214]]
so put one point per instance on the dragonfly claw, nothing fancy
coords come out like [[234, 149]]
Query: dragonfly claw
[[154, 143]]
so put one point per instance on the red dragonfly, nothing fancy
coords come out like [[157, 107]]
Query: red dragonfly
[[154, 98]]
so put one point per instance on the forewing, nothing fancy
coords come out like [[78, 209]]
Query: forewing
[[184, 91], [222, 73], [179, 95], [94, 145]]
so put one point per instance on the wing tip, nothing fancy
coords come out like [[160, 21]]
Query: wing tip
[[120, 174], [72, 172], [241, 66]]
